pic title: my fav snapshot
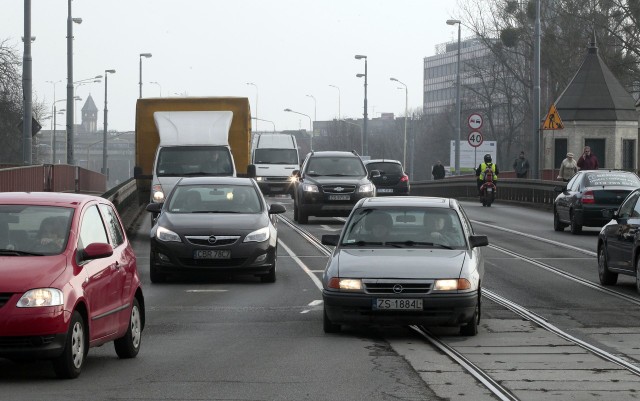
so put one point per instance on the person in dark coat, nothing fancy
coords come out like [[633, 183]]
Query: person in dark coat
[[588, 161], [437, 171], [521, 166]]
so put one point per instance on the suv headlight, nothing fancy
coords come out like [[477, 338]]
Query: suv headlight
[[310, 188], [41, 297], [258, 235], [366, 188], [158, 194], [166, 235]]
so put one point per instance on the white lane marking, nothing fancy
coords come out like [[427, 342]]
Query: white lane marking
[[327, 228], [304, 267], [549, 241], [306, 311], [206, 290], [316, 302], [342, 219], [316, 271]]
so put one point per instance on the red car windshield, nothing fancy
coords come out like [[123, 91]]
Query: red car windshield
[[28, 229]]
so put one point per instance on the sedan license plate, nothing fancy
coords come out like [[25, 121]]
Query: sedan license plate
[[397, 304], [489, 189], [385, 190], [212, 254], [339, 197]]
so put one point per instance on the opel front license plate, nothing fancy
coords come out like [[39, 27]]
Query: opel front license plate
[[212, 254], [397, 304]]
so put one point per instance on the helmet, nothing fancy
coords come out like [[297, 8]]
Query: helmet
[[487, 158]]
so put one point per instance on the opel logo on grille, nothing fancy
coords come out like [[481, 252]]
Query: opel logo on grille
[[338, 189], [397, 288], [212, 239]]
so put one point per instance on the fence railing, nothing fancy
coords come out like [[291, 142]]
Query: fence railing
[[52, 178]]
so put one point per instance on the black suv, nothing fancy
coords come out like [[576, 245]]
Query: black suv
[[329, 184]]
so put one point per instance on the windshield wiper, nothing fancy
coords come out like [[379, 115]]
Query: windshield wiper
[[215, 211], [414, 243], [361, 243], [13, 252]]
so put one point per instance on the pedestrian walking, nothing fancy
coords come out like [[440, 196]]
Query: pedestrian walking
[[521, 166], [588, 161], [437, 171], [568, 168]]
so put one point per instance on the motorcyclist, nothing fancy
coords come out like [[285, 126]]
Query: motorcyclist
[[482, 168]]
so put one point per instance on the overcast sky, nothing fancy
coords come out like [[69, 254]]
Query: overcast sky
[[287, 48]]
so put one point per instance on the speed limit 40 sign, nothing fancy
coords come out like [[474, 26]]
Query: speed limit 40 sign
[[475, 139]]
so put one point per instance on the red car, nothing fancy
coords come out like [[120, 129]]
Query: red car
[[68, 280]]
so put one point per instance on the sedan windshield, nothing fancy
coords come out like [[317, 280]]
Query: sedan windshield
[[217, 198], [34, 230], [404, 227]]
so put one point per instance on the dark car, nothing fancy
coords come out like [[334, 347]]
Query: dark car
[[392, 180], [215, 224], [404, 260], [619, 242], [329, 184], [588, 192], [69, 280]]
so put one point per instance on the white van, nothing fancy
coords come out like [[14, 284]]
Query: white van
[[275, 157]]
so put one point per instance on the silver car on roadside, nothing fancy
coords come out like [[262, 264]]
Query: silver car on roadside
[[402, 261]]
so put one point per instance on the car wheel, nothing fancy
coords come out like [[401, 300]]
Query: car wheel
[[69, 364], [575, 227], [471, 329], [328, 325], [638, 275], [303, 217], [129, 345], [557, 225], [606, 277]]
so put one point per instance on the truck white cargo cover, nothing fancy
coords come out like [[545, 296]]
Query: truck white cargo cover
[[193, 127]]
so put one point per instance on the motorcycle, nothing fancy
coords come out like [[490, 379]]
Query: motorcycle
[[488, 189]]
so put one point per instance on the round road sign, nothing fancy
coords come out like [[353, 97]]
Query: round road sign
[[475, 139], [475, 121]]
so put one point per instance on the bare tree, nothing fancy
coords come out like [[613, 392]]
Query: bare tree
[[10, 104]]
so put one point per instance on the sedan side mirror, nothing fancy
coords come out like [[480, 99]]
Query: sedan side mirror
[[478, 240], [610, 213], [154, 207], [97, 250], [559, 188], [330, 239], [277, 208]]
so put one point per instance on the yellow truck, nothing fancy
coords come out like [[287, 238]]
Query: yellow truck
[[190, 136]]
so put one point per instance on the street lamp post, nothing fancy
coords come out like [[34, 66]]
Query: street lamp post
[[310, 125], [267, 121], [315, 109], [257, 119], [70, 89], [365, 146], [406, 117], [104, 134], [76, 85], [333, 86], [159, 86], [53, 134], [145, 55], [458, 107], [27, 90], [53, 120]]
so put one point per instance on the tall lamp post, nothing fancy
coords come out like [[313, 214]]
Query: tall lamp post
[[266, 121], [27, 90], [310, 125], [159, 86], [145, 55], [53, 133], [365, 146], [257, 119], [104, 134], [53, 120], [315, 109], [79, 83], [458, 111], [406, 117], [333, 86], [70, 89]]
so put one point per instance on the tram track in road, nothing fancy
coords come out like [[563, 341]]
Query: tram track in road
[[481, 375]]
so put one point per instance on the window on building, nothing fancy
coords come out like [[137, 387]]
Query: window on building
[[628, 154]]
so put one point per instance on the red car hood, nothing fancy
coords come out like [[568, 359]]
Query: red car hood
[[22, 273]]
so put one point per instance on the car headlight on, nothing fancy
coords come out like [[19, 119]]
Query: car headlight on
[[259, 178], [158, 194], [41, 297], [310, 188], [293, 178], [258, 235], [345, 284], [366, 188], [167, 235], [452, 285]]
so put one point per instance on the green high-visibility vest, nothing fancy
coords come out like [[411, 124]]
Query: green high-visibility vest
[[483, 167]]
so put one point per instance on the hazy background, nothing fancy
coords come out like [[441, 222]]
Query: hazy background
[[288, 48]]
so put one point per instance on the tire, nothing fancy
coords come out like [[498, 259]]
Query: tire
[[606, 276], [128, 346], [303, 217], [557, 225], [575, 227], [69, 364], [471, 328], [328, 326]]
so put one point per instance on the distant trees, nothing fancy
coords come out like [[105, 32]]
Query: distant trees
[[10, 104]]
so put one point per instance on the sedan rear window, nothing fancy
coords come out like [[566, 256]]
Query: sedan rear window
[[616, 179], [385, 168]]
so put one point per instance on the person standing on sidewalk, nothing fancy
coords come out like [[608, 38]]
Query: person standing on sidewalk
[[568, 168], [521, 166], [588, 161]]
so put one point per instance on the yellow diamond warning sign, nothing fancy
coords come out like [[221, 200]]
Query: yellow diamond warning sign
[[553, 120]]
